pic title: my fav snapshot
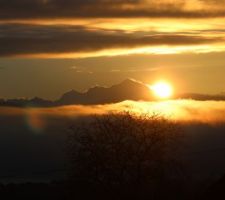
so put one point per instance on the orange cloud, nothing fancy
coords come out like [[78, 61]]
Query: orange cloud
[[180, 110]]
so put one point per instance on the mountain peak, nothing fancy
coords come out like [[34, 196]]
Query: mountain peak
[[71, 97], [71, 92], [129, 81], [36, 99], [129, 89], [95, 88]]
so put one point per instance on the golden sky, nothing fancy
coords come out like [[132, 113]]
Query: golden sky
[[61, 43]]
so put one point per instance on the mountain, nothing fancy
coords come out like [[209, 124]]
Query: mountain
[[201, 97], [40, 102], [35, 102], [127, 90], [71, 97]]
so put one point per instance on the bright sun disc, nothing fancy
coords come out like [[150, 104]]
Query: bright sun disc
[[162, 90]]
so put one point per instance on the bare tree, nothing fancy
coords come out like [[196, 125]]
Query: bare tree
[[123, 151]]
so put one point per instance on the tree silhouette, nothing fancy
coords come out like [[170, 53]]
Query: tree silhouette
[[123, 152]]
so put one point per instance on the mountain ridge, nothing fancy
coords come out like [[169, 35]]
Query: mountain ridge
[[129, 89], [126, 90]]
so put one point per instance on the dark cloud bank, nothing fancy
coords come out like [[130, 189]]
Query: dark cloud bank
[[26, 9], [17, 39]]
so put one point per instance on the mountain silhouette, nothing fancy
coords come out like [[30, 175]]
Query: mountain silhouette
[[201, 97], [129, 89], [35, 102], [71, 97]]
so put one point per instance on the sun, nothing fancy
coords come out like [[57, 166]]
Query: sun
[[162, 89]]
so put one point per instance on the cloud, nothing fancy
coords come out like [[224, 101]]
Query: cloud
[[209, 112], [39, 9], [217, 2], [19, 39], [140, 69], [78, 69]]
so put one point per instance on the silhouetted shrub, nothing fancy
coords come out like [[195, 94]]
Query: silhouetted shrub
[[123, 154], [34, 191]]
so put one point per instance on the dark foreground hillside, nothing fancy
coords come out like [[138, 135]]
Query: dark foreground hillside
[[35, 191], [116, 156], [64, 191]]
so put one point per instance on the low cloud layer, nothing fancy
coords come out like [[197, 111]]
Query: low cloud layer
[[17, 39], [209, 112]]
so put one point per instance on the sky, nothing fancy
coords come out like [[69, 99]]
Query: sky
[[48, 47]]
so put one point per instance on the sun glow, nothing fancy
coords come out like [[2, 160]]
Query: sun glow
[[162, 90]]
